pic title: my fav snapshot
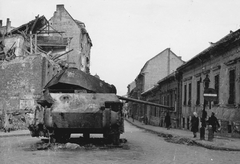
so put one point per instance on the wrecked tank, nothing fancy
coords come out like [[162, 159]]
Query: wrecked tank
[[76, 102]]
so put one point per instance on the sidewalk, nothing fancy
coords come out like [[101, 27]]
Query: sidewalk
[[186, 137]]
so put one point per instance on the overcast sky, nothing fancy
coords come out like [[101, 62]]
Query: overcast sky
[[127, 33]]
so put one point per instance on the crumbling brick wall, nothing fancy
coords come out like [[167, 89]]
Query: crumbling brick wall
[[21, 84]]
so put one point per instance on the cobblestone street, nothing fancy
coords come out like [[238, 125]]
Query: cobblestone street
[[141, 147]]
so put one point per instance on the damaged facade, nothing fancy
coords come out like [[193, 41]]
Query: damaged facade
[[30, 56], [78, 37]]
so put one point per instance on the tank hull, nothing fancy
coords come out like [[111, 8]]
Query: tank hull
[[76, 102], [80, 113]]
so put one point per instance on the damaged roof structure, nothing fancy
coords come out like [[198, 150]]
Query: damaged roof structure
[[34, 37]]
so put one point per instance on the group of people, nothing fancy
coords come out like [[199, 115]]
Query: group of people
[[212, 121]]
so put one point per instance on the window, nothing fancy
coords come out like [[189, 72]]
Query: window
[[189, 93], [231, 99], [171, 99], [185, 95], [165, 100], [168, 100], [198, 92], [216, 86]]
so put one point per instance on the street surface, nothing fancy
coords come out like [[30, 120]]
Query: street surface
[[141, 148]]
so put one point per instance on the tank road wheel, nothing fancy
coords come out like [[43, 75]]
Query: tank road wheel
[[86, 136], [61, 138], [116, 138], [112, 138], [106, 137], [66, 136]]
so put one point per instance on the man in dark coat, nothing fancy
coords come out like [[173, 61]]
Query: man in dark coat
[[167, 121], [194, 123], [213, 122]]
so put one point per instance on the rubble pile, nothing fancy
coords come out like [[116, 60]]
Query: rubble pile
[[77, 144]]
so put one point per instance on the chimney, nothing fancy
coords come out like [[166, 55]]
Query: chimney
[[8, 26], [60, 7], [0, 23], [8, 22]]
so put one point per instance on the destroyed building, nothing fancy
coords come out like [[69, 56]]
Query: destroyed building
[[30, 55], [78, 36]]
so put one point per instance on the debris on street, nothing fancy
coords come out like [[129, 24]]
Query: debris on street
[[77, 144]]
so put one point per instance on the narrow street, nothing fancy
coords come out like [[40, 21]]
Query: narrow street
[[141, 148]]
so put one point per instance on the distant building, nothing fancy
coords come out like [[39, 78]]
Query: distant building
[[155, 69], [158, 67], [131, 93], [165, 92], [77, 35]]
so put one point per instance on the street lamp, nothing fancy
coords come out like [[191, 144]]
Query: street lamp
[[206, 82]]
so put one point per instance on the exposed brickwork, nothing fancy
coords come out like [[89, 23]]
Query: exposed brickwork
[[22, 81]]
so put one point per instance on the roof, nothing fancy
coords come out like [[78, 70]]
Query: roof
[[79, 23], [33, 26], [150, 89], [167, 77], [222, 45]]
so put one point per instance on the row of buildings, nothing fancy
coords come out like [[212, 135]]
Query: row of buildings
[[31, 54], [167, 80]]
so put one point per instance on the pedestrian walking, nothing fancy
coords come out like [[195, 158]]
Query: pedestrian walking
[[213, 122], [194, 124], [132, 117], [167, 121]]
